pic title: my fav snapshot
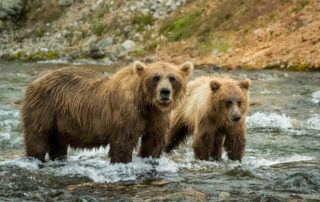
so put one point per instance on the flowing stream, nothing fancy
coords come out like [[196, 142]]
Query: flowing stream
[[281, 162]]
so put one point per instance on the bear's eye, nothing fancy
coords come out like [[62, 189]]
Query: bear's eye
[[156, 78], [228, 103], [239, 103], [172, 79]]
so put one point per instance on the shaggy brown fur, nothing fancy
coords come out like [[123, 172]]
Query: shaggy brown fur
[[84, 109], [214, 111]]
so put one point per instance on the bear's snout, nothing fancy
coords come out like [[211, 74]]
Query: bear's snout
[[236, 118], [165, 94]]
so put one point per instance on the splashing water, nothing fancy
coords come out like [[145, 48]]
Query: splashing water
[[280, 163], [273, 120]]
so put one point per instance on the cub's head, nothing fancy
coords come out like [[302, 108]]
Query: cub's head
[[163, 84], [230, 99]]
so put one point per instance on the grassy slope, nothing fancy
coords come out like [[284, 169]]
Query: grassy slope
[[247, 33], [230, 33]]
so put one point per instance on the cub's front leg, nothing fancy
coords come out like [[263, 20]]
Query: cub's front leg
[[235, 142], [202, 144]]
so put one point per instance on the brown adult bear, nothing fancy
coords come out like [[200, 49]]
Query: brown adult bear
[[214, 111], [81, 108]]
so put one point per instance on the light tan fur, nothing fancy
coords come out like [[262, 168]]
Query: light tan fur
[[204, 114]]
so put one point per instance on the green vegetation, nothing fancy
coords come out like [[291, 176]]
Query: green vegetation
[[153, 45], [98, 28], [51, 55], [300, 67], [183, 27], [304, 3], [212, 43], [99, 13], [39, 32], [54, 15], [142, 20], [271, 17], [301, 5], [82, 57], [46, 13], [138, 52], [33, 8], [37, 56]]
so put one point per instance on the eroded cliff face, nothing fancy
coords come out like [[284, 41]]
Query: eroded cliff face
[[229, 33]]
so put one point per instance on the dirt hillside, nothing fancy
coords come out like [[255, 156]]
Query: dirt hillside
[[249, 34]]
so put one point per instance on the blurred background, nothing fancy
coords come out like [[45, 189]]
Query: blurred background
[[251, 34]]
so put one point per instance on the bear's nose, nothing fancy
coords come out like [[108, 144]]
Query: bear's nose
[[236, 118], [165, 93]]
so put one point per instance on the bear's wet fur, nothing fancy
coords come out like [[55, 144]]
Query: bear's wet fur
[[81, 108], [214, 111]]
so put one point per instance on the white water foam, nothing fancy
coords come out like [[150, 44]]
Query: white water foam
[[313, 122], [22, 163], [265, 91], [95, 165], [316, 97], [273, 120], [254, 161]]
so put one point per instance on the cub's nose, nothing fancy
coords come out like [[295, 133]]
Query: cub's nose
[[165, 93], [236, 118]]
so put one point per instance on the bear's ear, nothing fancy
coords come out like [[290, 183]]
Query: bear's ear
[[214, 85], [245, 84], [139, 67], [186, 68]]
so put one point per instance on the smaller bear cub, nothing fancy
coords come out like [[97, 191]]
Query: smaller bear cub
[[214, 111]]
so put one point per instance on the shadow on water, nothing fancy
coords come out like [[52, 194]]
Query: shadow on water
[[281, 161]]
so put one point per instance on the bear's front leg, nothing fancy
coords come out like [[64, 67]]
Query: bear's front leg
[[152, 145], [235, 142], [153, 140], [121, 149]]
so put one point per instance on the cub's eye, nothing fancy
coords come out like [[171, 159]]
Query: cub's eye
[[239, 103], [172, 79], [156, 78], [228, 103]]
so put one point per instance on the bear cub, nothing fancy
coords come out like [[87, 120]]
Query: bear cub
[[82, 108], [214, 110]]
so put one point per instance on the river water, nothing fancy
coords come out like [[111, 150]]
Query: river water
[[281, 162]]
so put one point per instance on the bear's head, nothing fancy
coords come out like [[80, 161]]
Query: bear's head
[[230, 99], [163, 84]]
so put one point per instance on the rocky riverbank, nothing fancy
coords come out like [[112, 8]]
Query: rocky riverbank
[[248, 34]]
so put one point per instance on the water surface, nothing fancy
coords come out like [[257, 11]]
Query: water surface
[[281, 162]]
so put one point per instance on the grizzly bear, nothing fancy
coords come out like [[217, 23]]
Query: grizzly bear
[[82, 108], [214, 111]]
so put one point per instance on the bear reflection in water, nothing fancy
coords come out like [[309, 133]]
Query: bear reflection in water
[[81, 108]]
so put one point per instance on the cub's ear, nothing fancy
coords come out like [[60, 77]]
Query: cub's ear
[[245, 84], [186, 68], [139, 67], [214, 85]]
